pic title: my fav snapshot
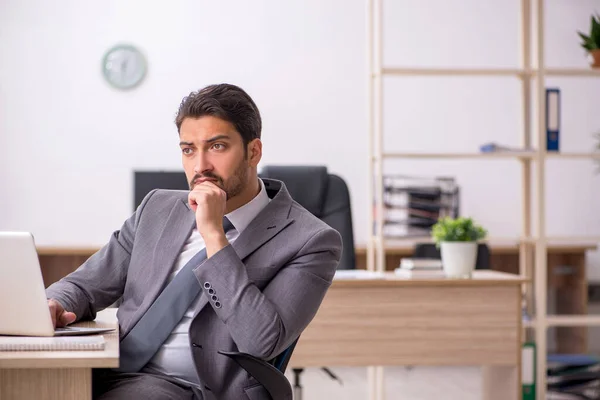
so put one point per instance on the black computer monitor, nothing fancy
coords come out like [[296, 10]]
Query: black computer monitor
[[146, 181]]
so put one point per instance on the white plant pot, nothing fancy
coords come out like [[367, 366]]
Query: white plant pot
[[459, 258]]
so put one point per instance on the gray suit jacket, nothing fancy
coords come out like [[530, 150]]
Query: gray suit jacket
[[269, 282]]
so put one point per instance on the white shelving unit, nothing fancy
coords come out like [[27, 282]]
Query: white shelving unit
[[528, 244]]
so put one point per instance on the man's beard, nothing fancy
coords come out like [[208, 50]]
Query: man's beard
[[233, 186]]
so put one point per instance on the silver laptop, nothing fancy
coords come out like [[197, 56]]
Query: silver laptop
[[23, 305]]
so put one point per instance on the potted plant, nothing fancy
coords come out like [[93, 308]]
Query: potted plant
[[591, 42], [457, 238]]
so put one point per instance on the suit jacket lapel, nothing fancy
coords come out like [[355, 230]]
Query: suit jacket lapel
[[269, 222], [177, 229], [260, 231]]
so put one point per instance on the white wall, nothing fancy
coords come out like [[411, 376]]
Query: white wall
[[69, 142]]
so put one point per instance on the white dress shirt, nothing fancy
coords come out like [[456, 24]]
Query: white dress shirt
[[174, 357]]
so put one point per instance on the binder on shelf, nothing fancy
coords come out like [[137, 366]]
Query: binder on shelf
[[552, 119], [528, 371]]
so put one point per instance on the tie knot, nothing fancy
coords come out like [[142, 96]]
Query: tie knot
[[227, 225]]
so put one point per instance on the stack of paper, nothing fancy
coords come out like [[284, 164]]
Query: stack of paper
[[344, 274]]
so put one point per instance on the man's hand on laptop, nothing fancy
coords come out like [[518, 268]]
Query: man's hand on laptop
[[60, 317]]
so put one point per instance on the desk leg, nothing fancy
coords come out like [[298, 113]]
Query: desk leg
[[380, 383], [46, 384], [376, 383], [572, 298], [501, 383]]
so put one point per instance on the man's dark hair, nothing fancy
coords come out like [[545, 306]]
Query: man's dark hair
[[227, 102]]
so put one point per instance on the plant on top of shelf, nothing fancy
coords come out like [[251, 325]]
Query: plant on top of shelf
[[458, 238], [591, 41]]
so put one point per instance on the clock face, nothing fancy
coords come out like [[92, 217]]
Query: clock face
[[124, 66]]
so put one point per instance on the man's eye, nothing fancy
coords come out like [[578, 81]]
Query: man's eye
[[187, 151], [218, 146]]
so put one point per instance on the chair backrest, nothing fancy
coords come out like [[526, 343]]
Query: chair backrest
[[324, 195], [429, 250], [281, 361]]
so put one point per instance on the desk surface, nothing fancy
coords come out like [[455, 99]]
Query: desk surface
[[107, 358], [66, 251], [398, 247], [390, 279]]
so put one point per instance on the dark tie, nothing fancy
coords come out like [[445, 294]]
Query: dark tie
[[155, 326]]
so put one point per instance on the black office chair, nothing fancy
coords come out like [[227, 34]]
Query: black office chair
[[429, 250], [327, 197], [270, 374]]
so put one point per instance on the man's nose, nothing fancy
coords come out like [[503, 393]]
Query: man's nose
[[202, 164]]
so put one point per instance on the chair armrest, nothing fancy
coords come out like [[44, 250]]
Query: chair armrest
[[273, 380]]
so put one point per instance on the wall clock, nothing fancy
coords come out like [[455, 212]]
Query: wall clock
[[124, 67]]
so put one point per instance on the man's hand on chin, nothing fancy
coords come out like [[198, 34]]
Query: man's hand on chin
[[208, 202]]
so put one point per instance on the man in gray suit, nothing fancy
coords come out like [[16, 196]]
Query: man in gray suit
[[232, 265]]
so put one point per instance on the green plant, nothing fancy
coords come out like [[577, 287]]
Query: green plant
[[460, 229], [592, 40]]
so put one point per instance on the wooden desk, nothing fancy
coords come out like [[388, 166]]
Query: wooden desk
[[392, 321], [411, 321], [566, 277], [64, 375]]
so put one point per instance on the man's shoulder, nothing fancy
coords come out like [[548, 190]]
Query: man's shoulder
[[312, 234], [307, 221], [163, 198], [170, 195]]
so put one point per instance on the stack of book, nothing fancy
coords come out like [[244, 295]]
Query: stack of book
[[412, 205], [573, 377], [419, 267]]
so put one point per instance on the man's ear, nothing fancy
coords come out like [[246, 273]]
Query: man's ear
[[254, 152]]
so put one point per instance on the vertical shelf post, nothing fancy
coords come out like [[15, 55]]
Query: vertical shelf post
[[371, 138], [525, 248], [378, 131], [541, 271]]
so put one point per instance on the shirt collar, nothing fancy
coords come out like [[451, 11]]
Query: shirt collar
[[242, 216]]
